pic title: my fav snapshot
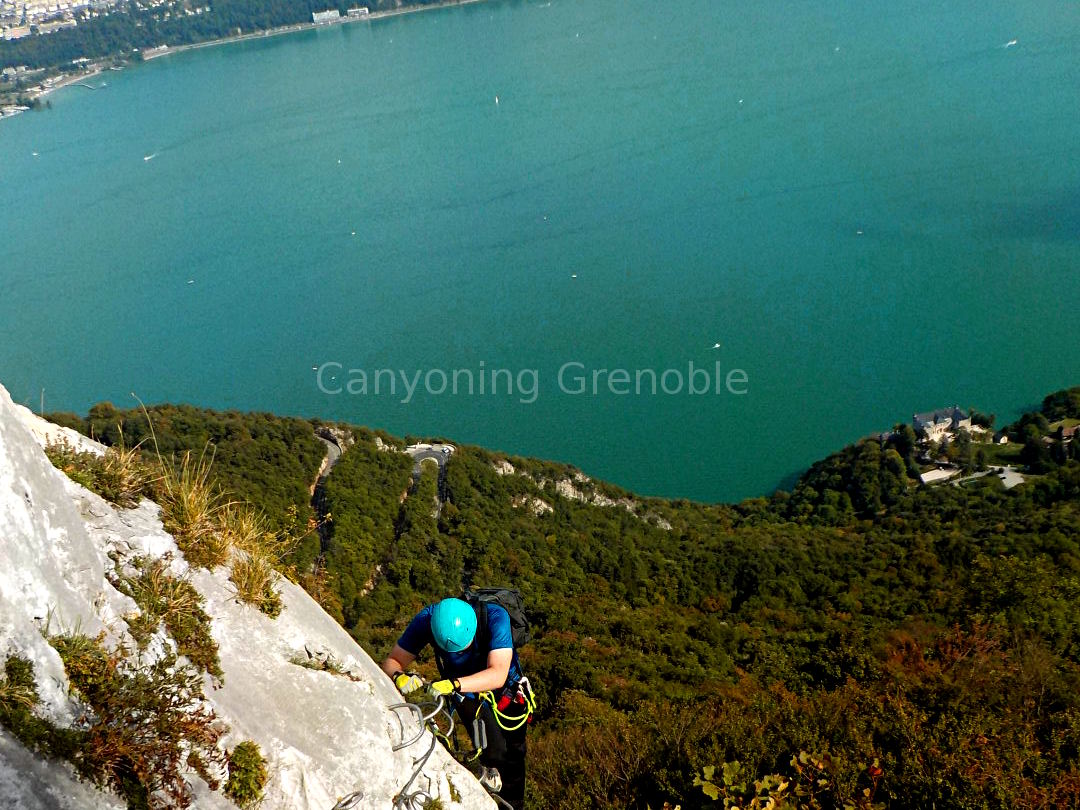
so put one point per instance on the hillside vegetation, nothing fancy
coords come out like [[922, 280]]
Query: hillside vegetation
[[268, 461], [861, 642]]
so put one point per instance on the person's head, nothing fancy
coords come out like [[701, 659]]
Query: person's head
[[453, 624]]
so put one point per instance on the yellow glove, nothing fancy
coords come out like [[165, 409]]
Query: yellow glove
[[443, 688], [407, 684]]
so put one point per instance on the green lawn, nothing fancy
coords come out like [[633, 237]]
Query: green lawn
[[1064, 423], [999, 455]]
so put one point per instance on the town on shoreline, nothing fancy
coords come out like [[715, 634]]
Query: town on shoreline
[[25, 88]]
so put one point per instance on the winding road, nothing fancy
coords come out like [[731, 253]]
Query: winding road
[[318, 496], [440, 454]]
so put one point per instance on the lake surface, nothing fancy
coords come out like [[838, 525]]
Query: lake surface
[[874, 208]]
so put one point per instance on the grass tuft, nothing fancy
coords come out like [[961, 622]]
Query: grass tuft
[[121, 476], [162, 597], [258, 555], [18, 700], [211, 530], [18, 690], [254, 577], [191, 505]]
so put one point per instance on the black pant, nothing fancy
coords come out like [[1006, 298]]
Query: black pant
[[505, 750]]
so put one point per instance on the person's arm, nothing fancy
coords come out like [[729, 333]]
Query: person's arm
[[397, 661], [498, 667]]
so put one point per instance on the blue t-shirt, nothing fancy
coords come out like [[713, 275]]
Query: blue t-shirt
[[473, 658]]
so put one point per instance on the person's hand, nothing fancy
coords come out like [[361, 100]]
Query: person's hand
[[443, 688], [407, 684]]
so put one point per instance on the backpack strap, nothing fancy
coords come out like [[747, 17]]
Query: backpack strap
[[440, 663], [483, 633]]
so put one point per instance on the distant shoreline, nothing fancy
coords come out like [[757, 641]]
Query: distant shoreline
[[59, 80], [307, 26]]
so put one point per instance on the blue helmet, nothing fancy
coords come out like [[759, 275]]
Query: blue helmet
[[453, 624]]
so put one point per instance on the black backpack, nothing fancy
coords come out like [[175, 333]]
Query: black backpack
[[509, 599]]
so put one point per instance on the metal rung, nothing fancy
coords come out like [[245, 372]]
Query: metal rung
[[350, 801], [419, 716], [422, 717]]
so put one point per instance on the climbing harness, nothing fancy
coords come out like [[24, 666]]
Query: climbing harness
[[523, 697], [427, 713]]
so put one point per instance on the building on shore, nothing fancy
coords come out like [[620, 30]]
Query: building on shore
[[359, 11], [325, 17], [933, 426], [55, 26], [938, 475]]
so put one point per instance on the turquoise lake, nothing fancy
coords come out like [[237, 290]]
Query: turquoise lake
[[873, 208]]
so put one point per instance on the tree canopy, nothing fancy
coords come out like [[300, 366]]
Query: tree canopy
[[904, 645]]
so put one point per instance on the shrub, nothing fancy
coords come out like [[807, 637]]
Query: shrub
[[79, 466], [18, 699], [808, 785], [144, 721], [247, 775]]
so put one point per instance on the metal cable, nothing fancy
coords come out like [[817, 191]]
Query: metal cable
[[416, 800]]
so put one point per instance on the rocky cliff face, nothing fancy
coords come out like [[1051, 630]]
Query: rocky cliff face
[[323, 735]]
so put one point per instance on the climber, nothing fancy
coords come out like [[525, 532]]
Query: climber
[[481, 675]]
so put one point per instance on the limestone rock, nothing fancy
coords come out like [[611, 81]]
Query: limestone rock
[[324, 735]]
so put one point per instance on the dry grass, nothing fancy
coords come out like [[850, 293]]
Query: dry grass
[[257, 558], [126, 475], [246, 528], [192, 505], [254, 577], [121, 476], [211, 530], [15, 696], [249, 530]]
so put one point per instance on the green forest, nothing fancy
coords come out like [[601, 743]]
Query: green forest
[[860, 642]]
